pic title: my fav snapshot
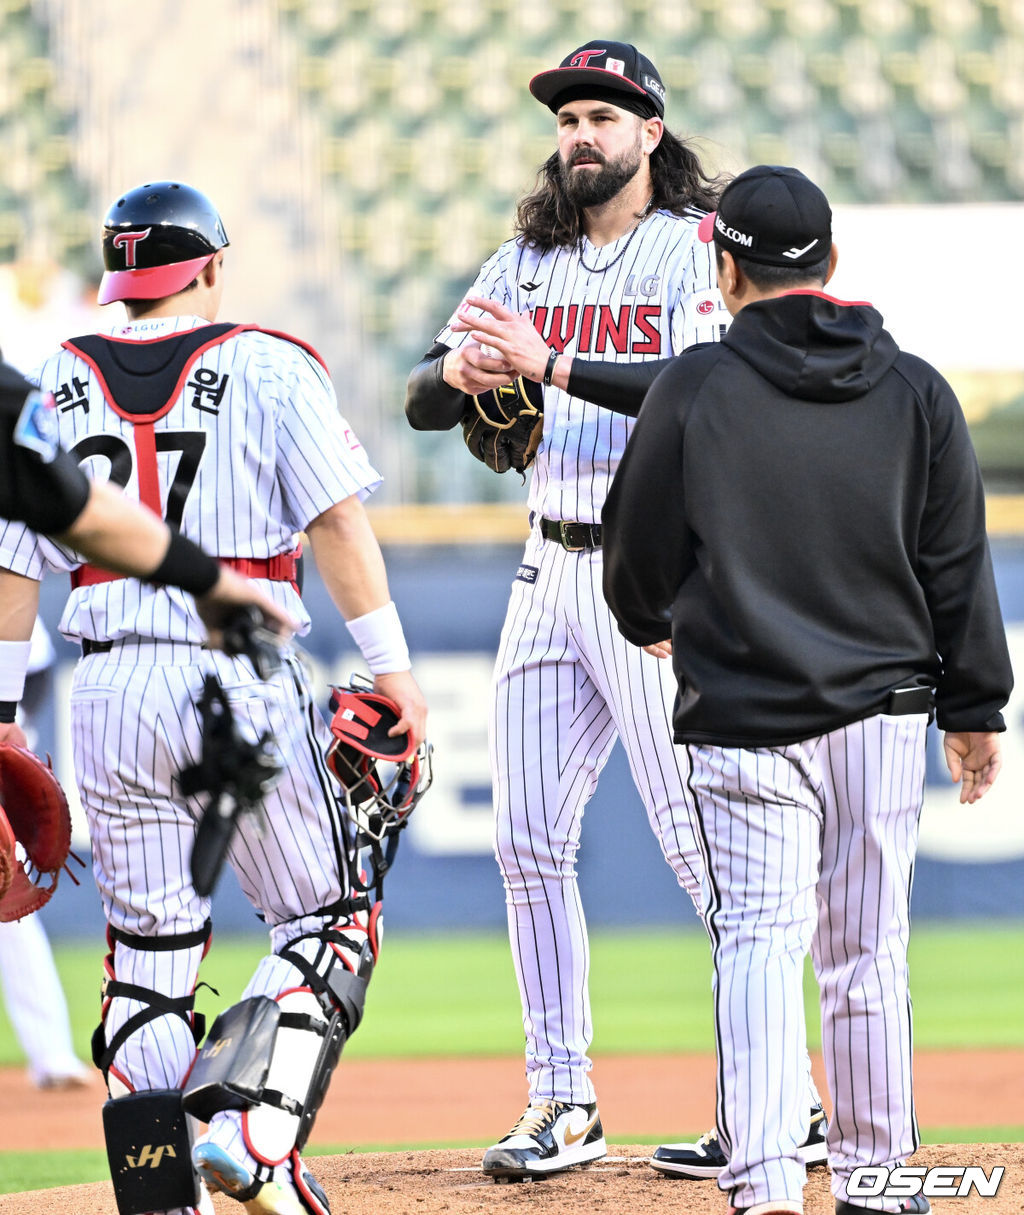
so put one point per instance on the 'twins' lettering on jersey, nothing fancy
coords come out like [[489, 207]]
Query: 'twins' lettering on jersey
[[630, 329]]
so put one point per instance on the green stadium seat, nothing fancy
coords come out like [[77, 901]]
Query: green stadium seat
[[427, 132]]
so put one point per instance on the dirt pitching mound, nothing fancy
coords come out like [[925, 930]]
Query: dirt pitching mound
[[450, 1183]]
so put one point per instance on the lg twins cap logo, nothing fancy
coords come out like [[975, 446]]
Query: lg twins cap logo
[[583, 58], [127, 241]]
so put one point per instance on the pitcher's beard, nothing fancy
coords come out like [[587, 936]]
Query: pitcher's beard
[[593, 188]]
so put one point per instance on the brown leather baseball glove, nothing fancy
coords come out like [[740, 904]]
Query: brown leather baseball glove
[[33, 814]]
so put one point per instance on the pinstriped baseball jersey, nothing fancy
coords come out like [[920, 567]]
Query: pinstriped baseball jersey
[[648, 295], [248, 451]]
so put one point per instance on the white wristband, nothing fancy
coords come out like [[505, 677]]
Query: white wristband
[[381, 640], [13, 665]]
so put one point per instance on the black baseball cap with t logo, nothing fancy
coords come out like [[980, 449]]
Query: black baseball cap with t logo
[[771, 214], [604, 71]]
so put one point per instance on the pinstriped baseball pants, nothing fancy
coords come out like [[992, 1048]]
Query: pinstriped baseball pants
[[566, 685], [134, 726], [811, 846]]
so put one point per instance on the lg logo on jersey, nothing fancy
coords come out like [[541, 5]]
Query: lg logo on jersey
[[938, 1182]]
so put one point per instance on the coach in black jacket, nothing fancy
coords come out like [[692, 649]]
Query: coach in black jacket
[[800, 507]]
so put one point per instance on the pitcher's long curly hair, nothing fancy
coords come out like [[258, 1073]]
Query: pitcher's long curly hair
[[546, 219]]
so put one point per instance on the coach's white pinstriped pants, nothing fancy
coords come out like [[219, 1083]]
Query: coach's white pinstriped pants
[[811, 846]]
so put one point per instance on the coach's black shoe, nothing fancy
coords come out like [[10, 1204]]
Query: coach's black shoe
[[706, 1160], [550, 1137], [917, 1205]]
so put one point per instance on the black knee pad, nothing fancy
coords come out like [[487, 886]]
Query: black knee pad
[[149, 1150], [157, 1004]]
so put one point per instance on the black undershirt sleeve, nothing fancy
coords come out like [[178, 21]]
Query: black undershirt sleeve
[[620, 387], [430, 403]]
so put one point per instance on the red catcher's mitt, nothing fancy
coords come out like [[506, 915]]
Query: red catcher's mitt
[[33, 813]]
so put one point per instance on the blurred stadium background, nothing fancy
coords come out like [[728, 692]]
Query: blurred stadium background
[[366, 156]]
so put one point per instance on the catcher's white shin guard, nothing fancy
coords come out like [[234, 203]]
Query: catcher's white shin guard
[[272, 1060]]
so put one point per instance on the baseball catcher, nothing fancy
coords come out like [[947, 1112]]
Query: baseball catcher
[[35, 821], [268, 1060], [503, 427]]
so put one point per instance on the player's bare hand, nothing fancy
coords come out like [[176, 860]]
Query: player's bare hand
[[659, 649], [974, 760], [472, 370], [400, 687], [512, 334], [11, 732], [232, 591]]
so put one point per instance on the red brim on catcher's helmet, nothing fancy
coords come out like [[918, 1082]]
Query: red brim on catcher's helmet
[[150, 283]]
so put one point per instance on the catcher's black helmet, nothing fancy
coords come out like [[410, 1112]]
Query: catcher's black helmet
[[381, 778], [156, 239]]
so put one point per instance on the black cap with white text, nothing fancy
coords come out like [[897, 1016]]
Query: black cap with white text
[[600, 70], [773, 215]]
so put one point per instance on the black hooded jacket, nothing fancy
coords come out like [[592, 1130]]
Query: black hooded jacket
[[801, 509]]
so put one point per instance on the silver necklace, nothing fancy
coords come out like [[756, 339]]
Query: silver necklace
[[621, 253]]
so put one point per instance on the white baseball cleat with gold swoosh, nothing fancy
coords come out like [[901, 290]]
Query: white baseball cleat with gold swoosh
[[551, 1136]]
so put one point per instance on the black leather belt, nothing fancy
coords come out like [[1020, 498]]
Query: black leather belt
[[910, 700], [574, 537], [95, 647]]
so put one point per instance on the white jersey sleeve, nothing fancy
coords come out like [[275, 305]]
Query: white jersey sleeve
[[496, 281], [32, 556], [319, 459]]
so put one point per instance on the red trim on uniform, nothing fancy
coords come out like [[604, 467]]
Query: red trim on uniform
[[831, 298], [145, 463], [307, 1195], [150, 282], [112, 1071], [303, 989], [282, 568], [252, 1151], [143, 418], [594, 75], [373, 928]]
